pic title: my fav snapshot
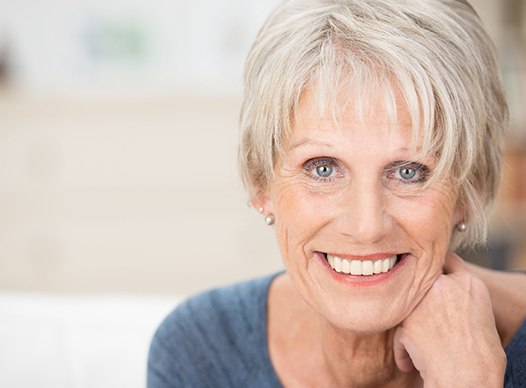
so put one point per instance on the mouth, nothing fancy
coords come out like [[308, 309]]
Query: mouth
[[363, 267]]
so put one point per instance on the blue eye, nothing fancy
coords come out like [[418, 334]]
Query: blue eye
[[321, 169], [324, 171], [407, 172]]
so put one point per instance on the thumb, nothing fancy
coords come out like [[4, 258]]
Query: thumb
[[402, 358]]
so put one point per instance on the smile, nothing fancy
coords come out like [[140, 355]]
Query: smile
[[362, 267]]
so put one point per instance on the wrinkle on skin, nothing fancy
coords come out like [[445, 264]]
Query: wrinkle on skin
[[364, 349]]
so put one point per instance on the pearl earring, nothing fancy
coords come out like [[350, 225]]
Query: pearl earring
[[461, 227], [269, 219]]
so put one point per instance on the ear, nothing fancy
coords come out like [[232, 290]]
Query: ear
[[263, 203]]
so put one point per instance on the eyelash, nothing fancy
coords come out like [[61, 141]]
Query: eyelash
[[421, 171], [313, 164]]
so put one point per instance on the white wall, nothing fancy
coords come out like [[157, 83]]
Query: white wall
[[73, 46]]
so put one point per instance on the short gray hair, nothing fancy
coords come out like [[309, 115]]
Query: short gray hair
[[436, 53]]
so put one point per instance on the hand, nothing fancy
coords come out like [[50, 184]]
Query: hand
[[450, 337]]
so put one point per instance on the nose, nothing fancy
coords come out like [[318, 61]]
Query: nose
[[364, 213]]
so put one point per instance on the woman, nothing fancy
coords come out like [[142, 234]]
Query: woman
[[371, 137]]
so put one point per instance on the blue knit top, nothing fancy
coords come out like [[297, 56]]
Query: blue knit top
[[219, 339]]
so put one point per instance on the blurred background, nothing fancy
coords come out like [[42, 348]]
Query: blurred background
[[119, 192], [118, 133]]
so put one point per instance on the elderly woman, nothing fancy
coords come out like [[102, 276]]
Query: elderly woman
[[371, 137]]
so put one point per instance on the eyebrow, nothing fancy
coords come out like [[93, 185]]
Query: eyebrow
[[308, 141]]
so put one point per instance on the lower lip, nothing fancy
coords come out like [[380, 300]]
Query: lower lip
[[362, 280]]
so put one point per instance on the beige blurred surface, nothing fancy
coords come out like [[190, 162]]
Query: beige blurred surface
[[127, 194]]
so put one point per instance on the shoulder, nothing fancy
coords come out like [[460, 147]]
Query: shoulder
[[220, 309], [516, 359], [508, 297], [216, 337]]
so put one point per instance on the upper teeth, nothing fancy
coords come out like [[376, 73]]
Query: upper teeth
[[361, 267]]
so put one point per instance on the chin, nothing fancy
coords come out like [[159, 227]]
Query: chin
[[361, 319]]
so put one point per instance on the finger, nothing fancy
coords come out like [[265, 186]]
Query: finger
[[402, 359], [453, 263]]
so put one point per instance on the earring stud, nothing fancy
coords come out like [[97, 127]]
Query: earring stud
[[461, 227], [269, 219]]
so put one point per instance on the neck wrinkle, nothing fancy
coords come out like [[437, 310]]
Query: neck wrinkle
[[359, 360]]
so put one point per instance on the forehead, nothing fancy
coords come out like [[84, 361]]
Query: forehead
[[344, 114], [368, 105]]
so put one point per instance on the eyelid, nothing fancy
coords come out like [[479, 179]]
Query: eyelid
[[407, 163], [315, 162], [420, 168]]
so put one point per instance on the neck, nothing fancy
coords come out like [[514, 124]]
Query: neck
[[363, 359], [330, 356]]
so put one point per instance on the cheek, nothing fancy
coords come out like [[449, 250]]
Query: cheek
[[295, 204], [429, 222], [300, 214]]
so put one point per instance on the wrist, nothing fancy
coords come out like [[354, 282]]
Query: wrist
[[488, 374]]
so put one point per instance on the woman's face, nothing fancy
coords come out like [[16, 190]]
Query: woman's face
[[349, 201]]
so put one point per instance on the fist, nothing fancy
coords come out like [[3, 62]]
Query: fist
[[450, 337]]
